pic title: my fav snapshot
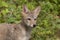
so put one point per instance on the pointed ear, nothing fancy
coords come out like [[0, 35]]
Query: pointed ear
[[25, 9], [36, 11]]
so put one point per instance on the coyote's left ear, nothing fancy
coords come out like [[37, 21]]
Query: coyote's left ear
[[36, 11]]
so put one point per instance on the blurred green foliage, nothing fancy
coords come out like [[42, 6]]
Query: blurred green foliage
[[48, 19]]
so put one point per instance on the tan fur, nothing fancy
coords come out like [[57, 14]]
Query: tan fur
[[19, 31]]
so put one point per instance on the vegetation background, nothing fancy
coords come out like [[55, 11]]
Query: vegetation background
[[48, 20]]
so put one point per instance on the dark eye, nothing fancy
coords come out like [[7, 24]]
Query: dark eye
[[34, 19], [29, 19]]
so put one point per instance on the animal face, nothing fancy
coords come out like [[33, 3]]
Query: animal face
[[29, 17]]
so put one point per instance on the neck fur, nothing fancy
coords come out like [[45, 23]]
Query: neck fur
[[28, 28]]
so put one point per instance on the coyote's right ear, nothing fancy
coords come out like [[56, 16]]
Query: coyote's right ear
[[24, 10]]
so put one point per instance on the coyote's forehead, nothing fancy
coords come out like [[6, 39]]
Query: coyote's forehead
[[31, 15]]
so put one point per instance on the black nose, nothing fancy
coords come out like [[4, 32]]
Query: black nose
[[34, 25]]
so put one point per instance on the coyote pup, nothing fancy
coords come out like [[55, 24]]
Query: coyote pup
[[20, 31]]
